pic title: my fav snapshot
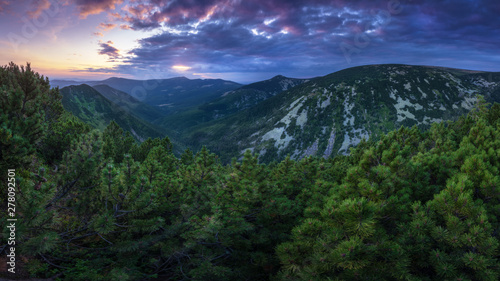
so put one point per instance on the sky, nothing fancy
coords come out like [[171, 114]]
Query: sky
[[244, 40]]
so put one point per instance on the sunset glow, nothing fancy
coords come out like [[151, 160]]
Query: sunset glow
[[181, 67]]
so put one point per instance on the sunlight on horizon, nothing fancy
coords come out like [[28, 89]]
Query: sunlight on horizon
[[181, 67]]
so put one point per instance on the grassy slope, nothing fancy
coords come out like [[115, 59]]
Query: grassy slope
[[93, 108], [129, 103]]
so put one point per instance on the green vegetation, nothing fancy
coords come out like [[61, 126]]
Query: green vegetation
[[170, 95], [413, 205], [228, 104], [129, 103], [91, 107]]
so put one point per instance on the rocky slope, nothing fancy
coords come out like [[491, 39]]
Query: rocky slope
[[330, 114]]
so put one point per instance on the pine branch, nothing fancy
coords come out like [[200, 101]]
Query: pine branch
[[104, 238], [65, 191], [58, 266], [80, 237]]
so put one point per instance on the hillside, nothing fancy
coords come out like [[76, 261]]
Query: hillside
[[129, 103], [229, 103], [169, 95], [93, 108], [328, 115]]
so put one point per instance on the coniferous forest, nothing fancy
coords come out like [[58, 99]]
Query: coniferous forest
[[98, 205]]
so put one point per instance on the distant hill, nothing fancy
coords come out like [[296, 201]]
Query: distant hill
[[93, 108], [64, 83], [169, 95], [328, 115], [229, 103], [129, 103]]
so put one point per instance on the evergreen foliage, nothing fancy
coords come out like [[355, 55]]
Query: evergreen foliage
[[412, 205], [27, 107]]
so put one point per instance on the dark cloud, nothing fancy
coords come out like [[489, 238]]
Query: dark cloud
[[315, 36], [244, 36], [106, 48]]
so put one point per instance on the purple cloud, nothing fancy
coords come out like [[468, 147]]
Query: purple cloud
[[4, 5], [106, 48]]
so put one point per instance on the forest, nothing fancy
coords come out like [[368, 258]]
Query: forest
[[98, 205]]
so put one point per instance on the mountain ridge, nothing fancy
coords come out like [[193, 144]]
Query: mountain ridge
[[229, 103], [327, 115], [169, 95], [93, 108], [129, 103]]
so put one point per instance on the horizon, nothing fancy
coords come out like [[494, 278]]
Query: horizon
[[166, 78], [85, 40]]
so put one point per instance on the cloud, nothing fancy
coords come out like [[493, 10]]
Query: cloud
[[106, 48], [102, 70], [223, 36], [40, 6], [226, 37], [148, 14], [93, 7], [125, 27], [106, 26], [4, 5], [98, 34]]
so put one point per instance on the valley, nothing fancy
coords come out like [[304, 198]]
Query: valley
[[321, 116]]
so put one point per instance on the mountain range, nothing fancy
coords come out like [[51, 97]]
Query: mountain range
[[129, 103], [328, 115], [229, 103], [168, 95], [321, 116]]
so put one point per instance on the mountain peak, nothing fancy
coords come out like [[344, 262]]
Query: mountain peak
[[179, 78], [279, 77], [114, 79]]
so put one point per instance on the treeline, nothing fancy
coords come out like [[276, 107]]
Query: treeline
[[98, 206]]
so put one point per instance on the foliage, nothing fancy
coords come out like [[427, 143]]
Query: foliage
[[414, 206], [27, 107]]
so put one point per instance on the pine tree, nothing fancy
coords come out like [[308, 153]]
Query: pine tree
[[140, 152], [27, 107], [59, 137], [117, 143], [413, 206]]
